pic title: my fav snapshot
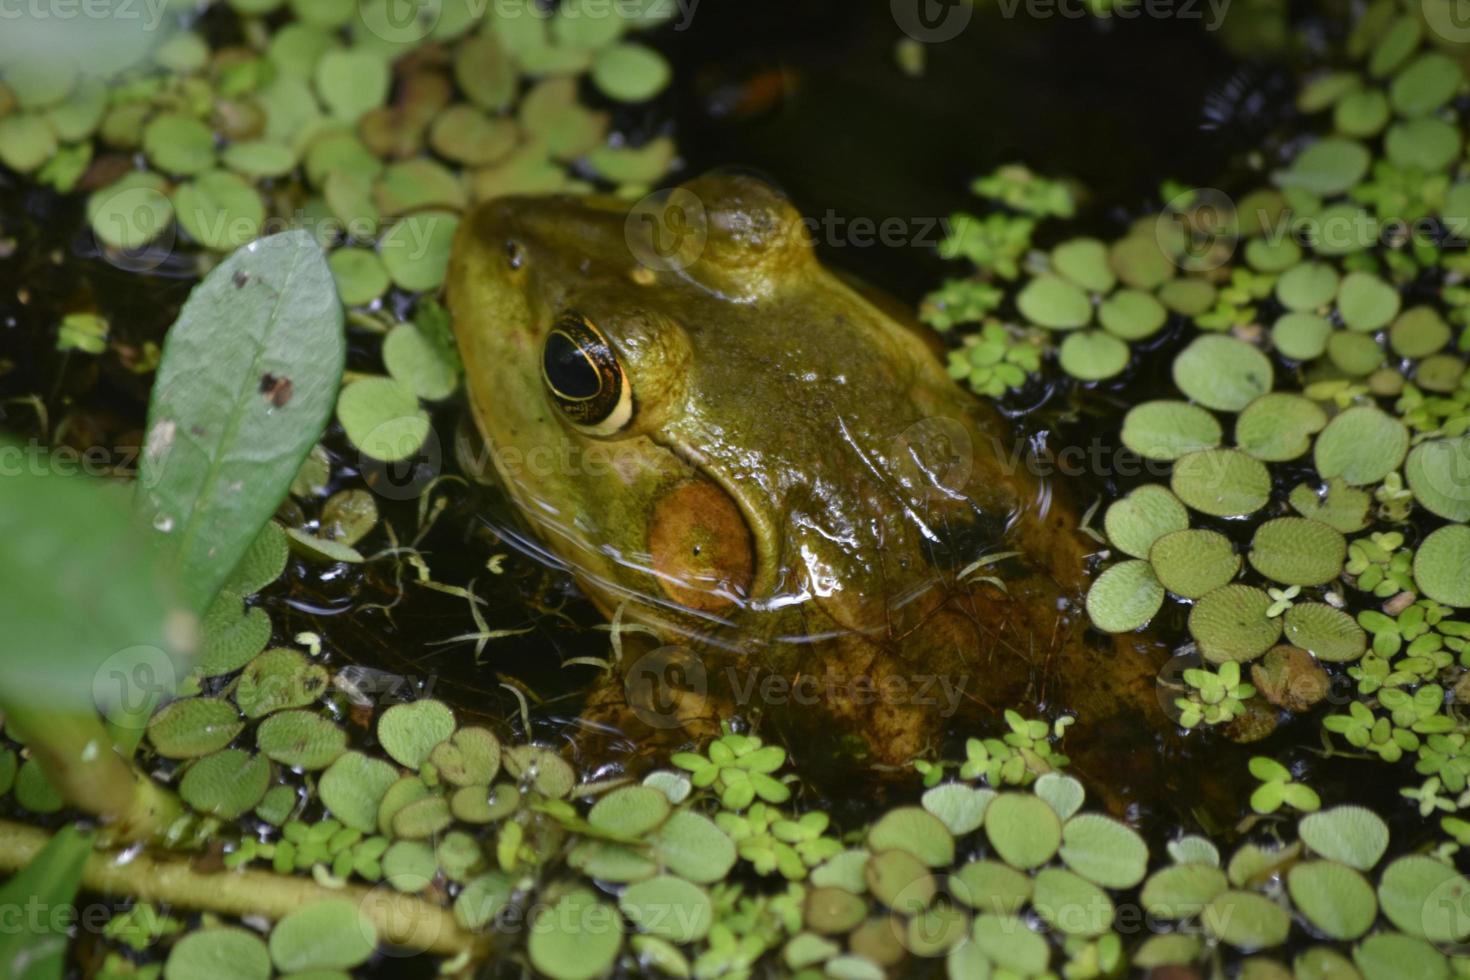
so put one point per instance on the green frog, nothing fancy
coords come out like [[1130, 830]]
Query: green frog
[[767, 465]]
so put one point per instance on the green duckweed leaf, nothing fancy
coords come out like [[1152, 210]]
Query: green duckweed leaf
[[352, 787], [1166, 430], [262, 563], [1438, 472], [226, 784], [1140, 262], [482, 898], [669, 907], [1426, 898], [1362, 445], [232, 635], [301, 739], [1231, 624], [1182, 890], [130, 213], [692, 847], [418, 362], [1104, 851], [191, 727], [1188, 297], [409, 732], [277, 679], [415, 251], [630, 811], [960, 807], [1362, 114], [1054, 303], [1132, 314], [1221, 482], [1008, 943], [1442, 565], [1246, 920], [409, 866], [1307, 287], [360, 275], [1352, 835], [34, 792], [1084, 261], [900, 881], [1297, 551], [219, 210], [1134, 523], [1326, 633], [1354, 354], [1279, 426], [1071, 904], [1418, 332], [1423, 144], [1024, 830], [1339, 506], [1301, 336], [1335, 898], [330, 934], [916, 831], [469, 757], [179, 144], [1092, 355], [1222, 373], [576, 938], [351, 83], [1392, 956], [1063, 793], [990, 886], [833, 910], [1328, 166], [220, 953], [383, 418], [1194, 562], [1125, 597], [1425, 84], [1366, 302], [628, 72], [547, 771]]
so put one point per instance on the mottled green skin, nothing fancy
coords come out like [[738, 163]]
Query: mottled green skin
[[864, 478]]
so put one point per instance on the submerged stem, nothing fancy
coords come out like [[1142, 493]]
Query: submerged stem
[[76, 754], [402, 920]]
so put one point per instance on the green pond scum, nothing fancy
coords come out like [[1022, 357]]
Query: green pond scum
[[228, 752]]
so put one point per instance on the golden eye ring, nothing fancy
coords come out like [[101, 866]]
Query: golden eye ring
[[584, 376]]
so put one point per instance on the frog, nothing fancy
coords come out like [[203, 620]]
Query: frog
[[765, 464]]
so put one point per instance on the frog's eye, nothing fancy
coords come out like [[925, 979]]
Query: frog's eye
[[584, 376]]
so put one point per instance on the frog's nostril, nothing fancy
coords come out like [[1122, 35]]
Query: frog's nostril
[[514, 255]]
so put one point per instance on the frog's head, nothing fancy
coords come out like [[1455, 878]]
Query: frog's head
[[692, 412]]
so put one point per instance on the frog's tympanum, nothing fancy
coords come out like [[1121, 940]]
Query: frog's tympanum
[[737, 447]]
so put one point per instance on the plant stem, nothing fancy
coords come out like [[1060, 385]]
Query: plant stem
[[75, 753], [402, 920]]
